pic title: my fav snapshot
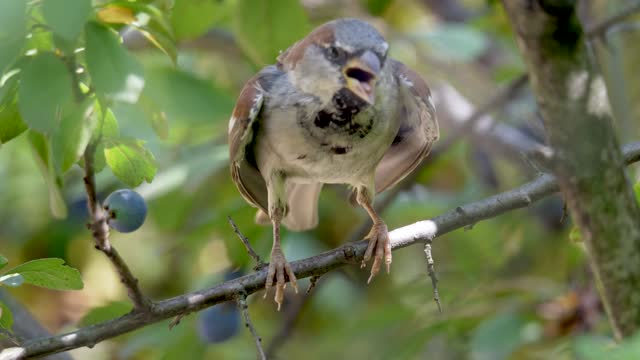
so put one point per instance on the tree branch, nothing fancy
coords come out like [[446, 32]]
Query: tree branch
[[100, 230], [600, 29], [586, 157], [350, 253]]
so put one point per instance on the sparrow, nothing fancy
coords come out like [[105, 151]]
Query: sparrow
[[334, 109]]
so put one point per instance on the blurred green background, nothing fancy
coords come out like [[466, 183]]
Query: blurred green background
[[514, 287]]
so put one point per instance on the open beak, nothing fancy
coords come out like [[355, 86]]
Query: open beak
[[361, 74]]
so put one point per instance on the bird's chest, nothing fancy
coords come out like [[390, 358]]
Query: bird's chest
[[342, 144]]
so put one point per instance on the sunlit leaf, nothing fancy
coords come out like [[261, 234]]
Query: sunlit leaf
[[3, 261], [130, 161], [12, 280], [12, 31], [116, 14], [41, 106], [42, 154], [264, 28], [72, 135], [50, 273], [114, 72], [106, 312], [66, 17], [6, 317]]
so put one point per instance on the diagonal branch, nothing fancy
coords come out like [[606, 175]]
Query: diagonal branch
[[350, 253], [100, 230]]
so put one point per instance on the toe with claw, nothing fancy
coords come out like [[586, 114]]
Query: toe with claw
[[379, 241], [279, 268]]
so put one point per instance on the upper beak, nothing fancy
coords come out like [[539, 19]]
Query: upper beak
[[361, 74]]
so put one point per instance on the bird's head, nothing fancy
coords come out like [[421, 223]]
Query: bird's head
[[345, 54]]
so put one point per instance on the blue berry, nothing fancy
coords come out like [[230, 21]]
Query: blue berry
[[127, 210], [220, 322]]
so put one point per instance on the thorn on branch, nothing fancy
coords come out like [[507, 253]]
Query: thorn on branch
[[176, 321], [312, 283], [259, 263], [241, 301], [431, 271]]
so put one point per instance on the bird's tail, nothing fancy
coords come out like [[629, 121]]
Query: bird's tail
[[303, 207]]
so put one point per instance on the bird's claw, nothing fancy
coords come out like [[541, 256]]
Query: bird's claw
[[278, 268], [379, 240]]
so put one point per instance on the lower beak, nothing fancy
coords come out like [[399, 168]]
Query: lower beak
[[361, 74]]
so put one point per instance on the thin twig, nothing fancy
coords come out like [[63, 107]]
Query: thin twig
[[100, 231], [259, 263], [347, 254], [241, 301], [600, 29], [431, 270], [312, 283]]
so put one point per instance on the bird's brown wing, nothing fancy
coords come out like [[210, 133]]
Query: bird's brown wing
[[243, 169], [418, 129]]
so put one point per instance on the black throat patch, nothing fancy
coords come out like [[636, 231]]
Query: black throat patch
[[347, 106]]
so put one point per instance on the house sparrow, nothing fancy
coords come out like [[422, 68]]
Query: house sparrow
[[333, 110]]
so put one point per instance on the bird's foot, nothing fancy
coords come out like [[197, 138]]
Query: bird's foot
[[278, 268], [379, 240]]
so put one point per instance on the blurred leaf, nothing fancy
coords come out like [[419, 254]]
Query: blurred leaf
[[110, 126], [130, 161], [72, 136], [11, 124], [40, 106], [575, 235], [116, 14], [264, 28], [160, 125], [50, 273], [66, 17], [636, 190], [3, 261], [376, 7], [496, 337], [154, 26], [114, 72], [12, 31], [6, 317], [12, 280], [184, 97], [455, 42], [190, 19], [42, 151], [106, 312]]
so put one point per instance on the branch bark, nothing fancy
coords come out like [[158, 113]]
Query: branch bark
[[586, 158], [350, 253]]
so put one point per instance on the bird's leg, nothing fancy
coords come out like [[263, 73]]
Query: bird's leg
[[378, 236], [278, 265]]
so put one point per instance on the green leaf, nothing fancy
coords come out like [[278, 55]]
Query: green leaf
[[73, 135], [13, 17], [636, 190], [376, 7], [266, 27], [455, 42], [130, 161], [183, 97], [114, 72], [3, 261], [575, 235], [12, 280], [496, 337], [50, 273], [42, 151], [6, 317], [66, 17], [190, 19], [157, 30], [41, 106], [105, 313], [11, 124]]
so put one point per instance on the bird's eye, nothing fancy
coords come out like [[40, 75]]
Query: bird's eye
[[333, 52]]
